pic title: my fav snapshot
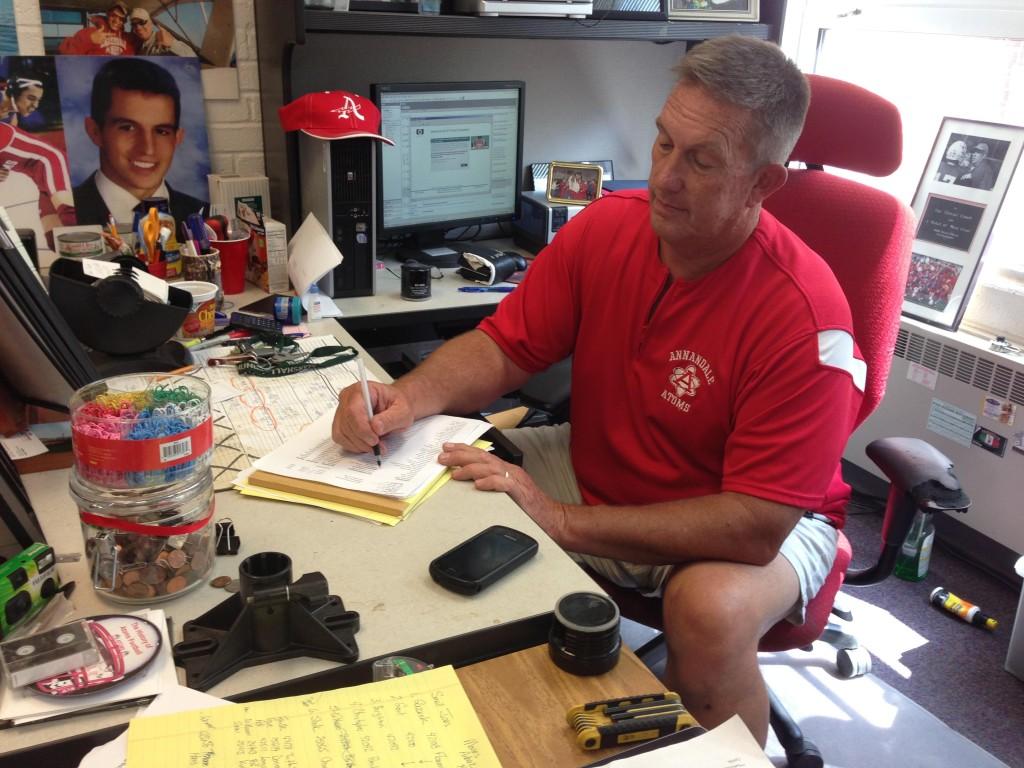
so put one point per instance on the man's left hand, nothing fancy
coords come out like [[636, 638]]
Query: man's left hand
[[489, 473]]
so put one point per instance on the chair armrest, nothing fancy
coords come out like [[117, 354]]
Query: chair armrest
[[550, 390], [918, 468], [921, 479]]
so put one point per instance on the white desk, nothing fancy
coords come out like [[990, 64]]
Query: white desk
[[387, 307], [379, 571]]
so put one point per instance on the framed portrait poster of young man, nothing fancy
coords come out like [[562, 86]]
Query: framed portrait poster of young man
[[957, 200]]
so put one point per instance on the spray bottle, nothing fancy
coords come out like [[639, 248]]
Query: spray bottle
[[969, 612]]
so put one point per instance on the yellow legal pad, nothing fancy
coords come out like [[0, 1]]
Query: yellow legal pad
[[422, 719]]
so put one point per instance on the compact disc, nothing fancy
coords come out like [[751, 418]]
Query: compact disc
[[127, 645]]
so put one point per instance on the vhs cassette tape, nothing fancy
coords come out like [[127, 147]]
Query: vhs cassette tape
[[36, 657]]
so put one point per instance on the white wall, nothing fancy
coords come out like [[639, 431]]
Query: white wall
[[234, 125]]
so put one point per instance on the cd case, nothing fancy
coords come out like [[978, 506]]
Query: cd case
[[36, 657]]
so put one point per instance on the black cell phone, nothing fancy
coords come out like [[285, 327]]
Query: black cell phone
[[482, 560]]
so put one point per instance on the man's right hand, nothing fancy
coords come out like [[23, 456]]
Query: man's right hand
[[353, 431]]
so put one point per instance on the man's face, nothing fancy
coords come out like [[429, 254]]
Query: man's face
[[142, 28], [977, 155], [136, 140], [701, 173], [115, 18], [28, 100]]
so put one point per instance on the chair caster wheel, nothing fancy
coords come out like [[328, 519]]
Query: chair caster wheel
[[809, 757], [853, 662]]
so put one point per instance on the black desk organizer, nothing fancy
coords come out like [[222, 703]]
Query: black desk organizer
[[124, 332], [268, 619]]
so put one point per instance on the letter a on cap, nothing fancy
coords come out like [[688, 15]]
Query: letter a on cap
[[333, 115]]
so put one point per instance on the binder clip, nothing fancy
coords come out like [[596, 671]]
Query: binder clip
[[226, 541], [612, 722]]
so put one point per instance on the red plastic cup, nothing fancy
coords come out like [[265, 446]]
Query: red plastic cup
[[234, 256]]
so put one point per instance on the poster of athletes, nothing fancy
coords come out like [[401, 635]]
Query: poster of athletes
[[84, 138], [200, 29]]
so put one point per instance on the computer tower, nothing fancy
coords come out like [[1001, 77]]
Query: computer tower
[[339, 187]]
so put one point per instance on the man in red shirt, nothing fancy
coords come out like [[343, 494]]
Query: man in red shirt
[[715, 383], [107, 37]]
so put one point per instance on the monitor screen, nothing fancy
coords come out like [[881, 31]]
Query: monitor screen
[[456, 160]]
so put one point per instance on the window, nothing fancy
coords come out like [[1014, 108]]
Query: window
[[933, 61]]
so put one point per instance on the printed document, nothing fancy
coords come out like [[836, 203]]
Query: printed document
[[408, 466]]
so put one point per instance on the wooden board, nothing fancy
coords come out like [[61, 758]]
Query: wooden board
[[521, 700], [372, 501]]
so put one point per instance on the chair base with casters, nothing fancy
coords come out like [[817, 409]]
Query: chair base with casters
[[921, 479]]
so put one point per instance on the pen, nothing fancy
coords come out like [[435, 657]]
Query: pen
[[487, 288], [366, 398]]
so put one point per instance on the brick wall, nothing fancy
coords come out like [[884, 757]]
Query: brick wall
[[234, 125]]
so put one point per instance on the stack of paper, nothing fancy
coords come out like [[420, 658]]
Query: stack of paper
[[424, 719], [312, 469]]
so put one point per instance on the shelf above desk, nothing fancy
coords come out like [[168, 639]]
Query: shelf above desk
[[527, 28]]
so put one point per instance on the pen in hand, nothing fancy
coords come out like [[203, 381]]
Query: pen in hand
[[366, 399]]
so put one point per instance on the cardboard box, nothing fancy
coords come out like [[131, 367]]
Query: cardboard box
[[268, 257], [230, 189]]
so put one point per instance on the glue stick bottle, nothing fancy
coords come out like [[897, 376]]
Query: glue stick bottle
[[315, 308], [969, 612]]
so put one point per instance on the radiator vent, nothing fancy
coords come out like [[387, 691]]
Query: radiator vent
[[965, 367], [1001, 381], [915, 348], [981, 373], [947, 361]]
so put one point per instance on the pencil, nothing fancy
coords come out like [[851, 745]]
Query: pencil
[[366, 398]]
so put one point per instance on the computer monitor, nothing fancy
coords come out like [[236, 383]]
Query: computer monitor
[[456, 161]]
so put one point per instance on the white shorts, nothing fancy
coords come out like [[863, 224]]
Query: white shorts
[[810, 547]]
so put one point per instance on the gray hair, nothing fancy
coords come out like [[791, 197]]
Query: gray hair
[[756, 76]]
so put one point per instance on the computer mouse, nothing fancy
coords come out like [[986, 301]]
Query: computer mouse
[[517, 259]]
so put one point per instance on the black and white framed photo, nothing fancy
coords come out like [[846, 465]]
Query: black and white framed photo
[[719, 10], [957, 200]]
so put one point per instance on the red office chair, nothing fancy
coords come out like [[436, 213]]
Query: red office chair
[[865, 236]]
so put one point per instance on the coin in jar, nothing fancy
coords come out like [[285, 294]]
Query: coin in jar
[[220, 581], [176, 584], [176, 558], [232, 586], [153, 574]]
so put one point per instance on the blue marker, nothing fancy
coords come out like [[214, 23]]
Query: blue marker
[[487, 288]]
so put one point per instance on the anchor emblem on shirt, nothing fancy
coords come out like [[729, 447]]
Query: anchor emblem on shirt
[[685, 380]]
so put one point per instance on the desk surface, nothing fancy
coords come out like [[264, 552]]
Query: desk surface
[[387, 307], [379, 571], [521, 699]]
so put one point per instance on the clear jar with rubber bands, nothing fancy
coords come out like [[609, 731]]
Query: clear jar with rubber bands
[[147, 546], [142, 430]]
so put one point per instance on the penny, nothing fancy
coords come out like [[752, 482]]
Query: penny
[[176, 558], [232, 586], [183, 570], [129, 577], [139, 590], [176, 584], [220, 581], [153, 575]]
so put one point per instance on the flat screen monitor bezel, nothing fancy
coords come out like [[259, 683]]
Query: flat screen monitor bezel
[[376, 92]]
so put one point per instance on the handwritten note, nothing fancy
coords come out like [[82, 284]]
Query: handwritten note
[[424, 719]]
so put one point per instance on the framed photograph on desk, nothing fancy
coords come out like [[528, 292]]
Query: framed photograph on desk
[[574, 183], [718, 10], [958, 198]]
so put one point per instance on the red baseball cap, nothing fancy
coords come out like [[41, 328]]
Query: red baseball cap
[[333, 115]]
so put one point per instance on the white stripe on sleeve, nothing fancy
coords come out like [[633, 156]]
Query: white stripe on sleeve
[[835, 349]]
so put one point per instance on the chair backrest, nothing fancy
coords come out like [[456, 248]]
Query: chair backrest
[[863, 233]]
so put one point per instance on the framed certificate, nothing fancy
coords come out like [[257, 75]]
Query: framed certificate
[[956, 203]]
